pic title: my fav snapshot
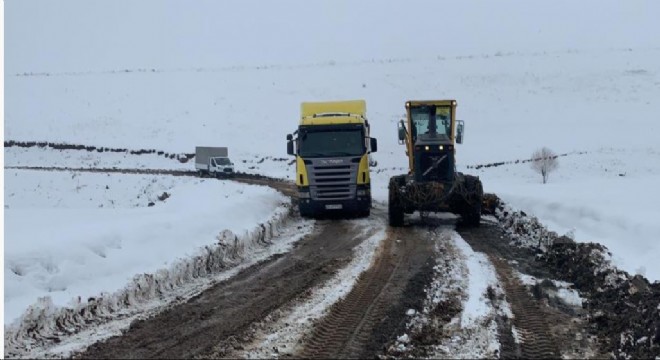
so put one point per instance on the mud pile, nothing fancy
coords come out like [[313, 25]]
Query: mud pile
[[624, 310]]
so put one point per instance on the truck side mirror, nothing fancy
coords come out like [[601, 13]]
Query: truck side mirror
[[289, 147], [289, 137], [373, 145], [459, 131], [402, 132], [372, 162]]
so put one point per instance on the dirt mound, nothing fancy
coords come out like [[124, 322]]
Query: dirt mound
[[183, 158], [624, 310], [519, 161]]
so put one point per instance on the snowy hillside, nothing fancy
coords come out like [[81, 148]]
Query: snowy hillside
[[580, 78]]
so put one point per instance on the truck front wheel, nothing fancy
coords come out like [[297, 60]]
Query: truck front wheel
[[305, 211], [364, 212], [395, 210]]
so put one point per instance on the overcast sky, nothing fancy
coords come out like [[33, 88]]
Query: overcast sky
[[97, 35]]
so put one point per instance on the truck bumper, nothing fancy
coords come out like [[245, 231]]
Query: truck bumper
[[355, 205]]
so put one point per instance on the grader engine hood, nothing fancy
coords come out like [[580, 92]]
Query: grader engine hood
[[434, 166], [433, 161], [433, 156]]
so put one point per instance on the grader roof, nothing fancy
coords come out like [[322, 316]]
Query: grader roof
[[430, 102]]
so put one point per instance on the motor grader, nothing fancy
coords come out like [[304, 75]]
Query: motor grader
[[430, 133]]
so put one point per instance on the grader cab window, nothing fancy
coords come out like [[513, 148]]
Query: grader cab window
[[430, 119]]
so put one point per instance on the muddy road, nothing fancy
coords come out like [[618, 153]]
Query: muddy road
[[195, 328], [212, 324], [619, 315], [360, 324], [220, 321]]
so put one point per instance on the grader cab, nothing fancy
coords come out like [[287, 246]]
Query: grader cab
[[430, 134]]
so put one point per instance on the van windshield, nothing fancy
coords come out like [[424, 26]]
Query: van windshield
[[222, 161]]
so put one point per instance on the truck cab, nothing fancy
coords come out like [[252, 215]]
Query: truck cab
[[332, 148], [221, 166]]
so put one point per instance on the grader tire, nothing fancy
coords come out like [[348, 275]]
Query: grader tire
[[395, 211], [471, 214]]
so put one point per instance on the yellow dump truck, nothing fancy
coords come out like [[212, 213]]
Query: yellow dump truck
[[332, 146]]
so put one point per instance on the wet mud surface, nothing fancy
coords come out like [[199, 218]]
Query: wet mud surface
[[196, 327]]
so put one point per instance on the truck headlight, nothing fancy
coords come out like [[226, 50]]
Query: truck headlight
[[303, 195], [362, 192]]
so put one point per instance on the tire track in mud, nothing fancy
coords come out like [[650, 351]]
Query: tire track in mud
[[349, 329], [193, 329], [529, 318]]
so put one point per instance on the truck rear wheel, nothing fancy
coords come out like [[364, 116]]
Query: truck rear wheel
[[395, 210]]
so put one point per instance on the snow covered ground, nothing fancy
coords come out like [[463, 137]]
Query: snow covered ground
[[72, 235], [466, 275], [580, 78]]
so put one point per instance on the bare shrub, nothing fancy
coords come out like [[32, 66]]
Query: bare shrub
[[544, 161]]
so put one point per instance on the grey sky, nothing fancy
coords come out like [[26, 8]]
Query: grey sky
[[97, 35]]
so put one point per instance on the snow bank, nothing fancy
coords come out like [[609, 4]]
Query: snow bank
[[44, 321], [82, 249]]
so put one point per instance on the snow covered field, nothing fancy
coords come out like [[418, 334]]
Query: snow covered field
[[71, 235], [580, 78]]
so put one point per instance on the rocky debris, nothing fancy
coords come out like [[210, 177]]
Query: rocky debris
[[183, 157], [500, 163], [623, 310]]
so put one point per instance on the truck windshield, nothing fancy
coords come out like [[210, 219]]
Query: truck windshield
[[422, 117], [328, 143]]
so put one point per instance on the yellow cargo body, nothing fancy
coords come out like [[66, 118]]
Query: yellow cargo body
[[357, 107]]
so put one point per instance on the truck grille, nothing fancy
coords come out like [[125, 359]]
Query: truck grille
[[333, 182]]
